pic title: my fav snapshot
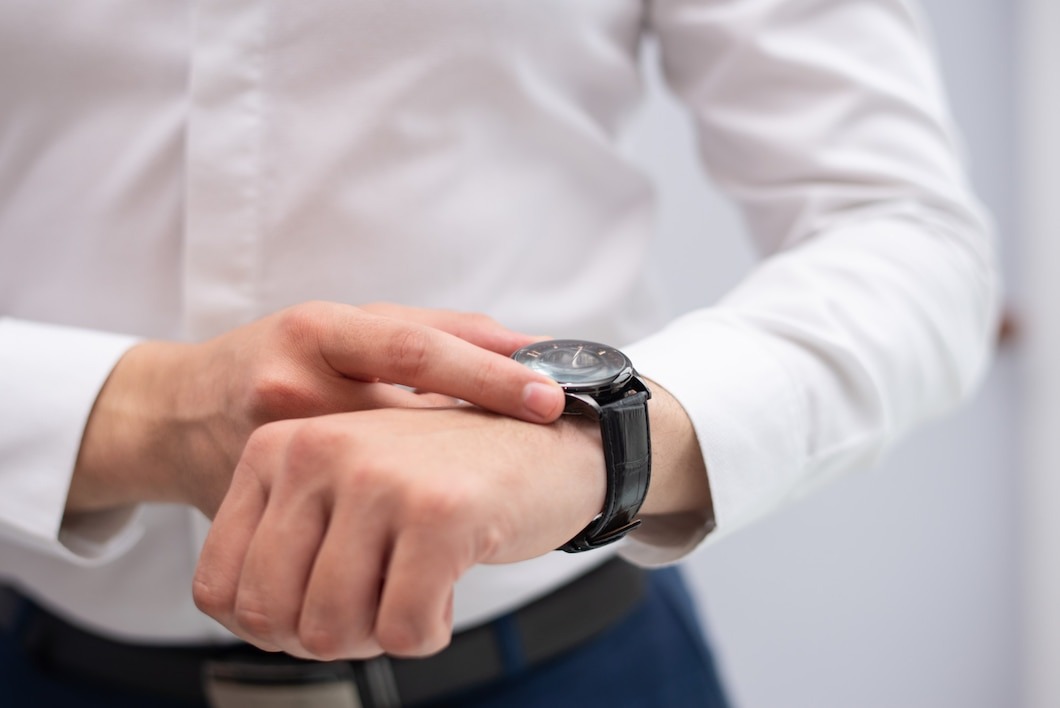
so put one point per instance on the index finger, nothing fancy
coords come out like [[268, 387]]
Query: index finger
[[473, 327], [362, 345]]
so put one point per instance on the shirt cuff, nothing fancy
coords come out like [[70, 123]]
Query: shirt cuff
[[50, 376], [742, 403]]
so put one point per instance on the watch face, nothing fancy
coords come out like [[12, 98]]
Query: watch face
[[577, 365]]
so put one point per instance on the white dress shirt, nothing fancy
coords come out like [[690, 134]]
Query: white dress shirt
[[177, 169]]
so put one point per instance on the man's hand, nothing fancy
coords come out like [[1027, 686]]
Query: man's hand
[[342, 536], [172, 419]]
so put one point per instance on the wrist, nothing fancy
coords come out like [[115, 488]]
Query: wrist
[[679, 475], [580, 437], [127, 448], [600, 383]]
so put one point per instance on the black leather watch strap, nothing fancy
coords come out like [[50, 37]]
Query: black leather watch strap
[[626, 438]]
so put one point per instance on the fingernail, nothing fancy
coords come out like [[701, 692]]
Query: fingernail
[[543, 400]]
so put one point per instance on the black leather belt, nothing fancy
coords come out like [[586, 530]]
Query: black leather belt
[[231, 677]]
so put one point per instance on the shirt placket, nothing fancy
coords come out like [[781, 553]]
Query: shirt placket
[[224, 166]]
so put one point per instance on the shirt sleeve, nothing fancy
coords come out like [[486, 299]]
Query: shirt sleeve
[[876, 304], [49, 379]]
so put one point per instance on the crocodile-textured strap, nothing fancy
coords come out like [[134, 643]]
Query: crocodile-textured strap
[[627, 456]]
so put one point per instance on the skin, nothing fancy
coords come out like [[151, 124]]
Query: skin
[[172, 419], [354, 506]]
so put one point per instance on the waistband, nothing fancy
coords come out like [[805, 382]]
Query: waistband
[[240, 676]]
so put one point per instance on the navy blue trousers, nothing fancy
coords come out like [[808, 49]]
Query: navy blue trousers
[[655, 658]]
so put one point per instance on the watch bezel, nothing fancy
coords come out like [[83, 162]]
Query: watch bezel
[[594, 387]]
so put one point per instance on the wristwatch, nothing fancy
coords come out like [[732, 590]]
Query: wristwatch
[[600, 383]]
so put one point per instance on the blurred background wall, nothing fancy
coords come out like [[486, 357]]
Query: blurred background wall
[[899, 586], [1039, 130]]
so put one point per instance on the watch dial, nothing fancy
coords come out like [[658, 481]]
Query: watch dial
[[576, 363]]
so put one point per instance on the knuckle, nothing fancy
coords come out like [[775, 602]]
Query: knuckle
[[274, 393], [277, 379], [412, 639], [311, 443], [302, 321], [262, 444], [322, 642], [255, 620], [483, 321], [436, 506], [402, 639], [210, 598], [488, 542], [440, 640], [381, 308], [486, 375], [409, 350], [367, 474]]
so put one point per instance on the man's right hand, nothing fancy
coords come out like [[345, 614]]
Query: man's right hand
[[172, 419]]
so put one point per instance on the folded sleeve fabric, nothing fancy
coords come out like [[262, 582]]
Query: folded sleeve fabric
[[50, 376], [877, 306]]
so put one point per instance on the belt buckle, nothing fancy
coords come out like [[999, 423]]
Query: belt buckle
[[241, 683]]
